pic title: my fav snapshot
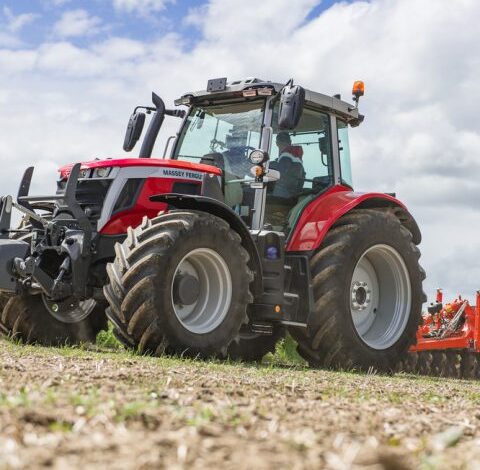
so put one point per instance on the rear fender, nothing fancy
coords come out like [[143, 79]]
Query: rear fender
[[219, 209], [319, 216]]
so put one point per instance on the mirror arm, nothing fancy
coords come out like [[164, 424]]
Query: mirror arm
[[148, 109], [176, 113]]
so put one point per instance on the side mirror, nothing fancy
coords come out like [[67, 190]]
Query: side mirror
[[292, 100], [134, 131]]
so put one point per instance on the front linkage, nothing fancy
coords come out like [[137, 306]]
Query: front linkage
[[58, 245], [45, 293]]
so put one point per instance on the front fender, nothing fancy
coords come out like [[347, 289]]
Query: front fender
[[218, 208], [321, 213]]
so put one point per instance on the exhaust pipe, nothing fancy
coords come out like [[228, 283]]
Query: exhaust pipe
[[153, 128]]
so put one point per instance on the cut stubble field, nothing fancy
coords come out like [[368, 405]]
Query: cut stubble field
[[85, 407]]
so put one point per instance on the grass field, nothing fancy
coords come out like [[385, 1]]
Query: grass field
[[72, 408]]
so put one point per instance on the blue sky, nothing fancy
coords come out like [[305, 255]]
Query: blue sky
[[120, 22]]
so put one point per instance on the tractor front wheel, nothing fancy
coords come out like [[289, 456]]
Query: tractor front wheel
[[367, 286], [179, 284], [35, 319], [29, 319]]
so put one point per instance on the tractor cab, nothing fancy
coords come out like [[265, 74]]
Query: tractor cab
[[278, 146]]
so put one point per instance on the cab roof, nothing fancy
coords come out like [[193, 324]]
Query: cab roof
[[235, 89]]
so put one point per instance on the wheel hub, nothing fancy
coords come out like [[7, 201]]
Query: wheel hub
[[186, 289], [201, 290], [361, 296], [380, 296], [69, 310]]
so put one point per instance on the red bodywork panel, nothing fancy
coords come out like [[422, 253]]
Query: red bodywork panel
[[132, 217], [321, 213], [155, 162]]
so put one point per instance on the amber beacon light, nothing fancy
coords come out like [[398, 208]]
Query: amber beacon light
[[358, 90]]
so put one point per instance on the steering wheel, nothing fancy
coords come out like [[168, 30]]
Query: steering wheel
[[214, 143], [242, 149]]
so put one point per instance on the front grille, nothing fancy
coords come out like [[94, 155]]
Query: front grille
[[90, 195]]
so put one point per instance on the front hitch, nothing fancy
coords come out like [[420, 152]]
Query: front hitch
[[66, 240]]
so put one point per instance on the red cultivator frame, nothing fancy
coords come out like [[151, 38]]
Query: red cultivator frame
[[448, 341]]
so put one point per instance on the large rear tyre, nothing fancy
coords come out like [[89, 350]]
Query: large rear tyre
[[179, 284], [367, 286], [26, 318]]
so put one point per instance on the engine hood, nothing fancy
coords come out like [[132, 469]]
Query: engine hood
[[142, 162]]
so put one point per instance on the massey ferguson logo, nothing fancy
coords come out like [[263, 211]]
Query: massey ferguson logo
[[185, 174]]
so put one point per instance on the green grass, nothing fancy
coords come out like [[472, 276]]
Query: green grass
[[286, 354], [130, 410], [60, 426], [106, 339], [19, 399]]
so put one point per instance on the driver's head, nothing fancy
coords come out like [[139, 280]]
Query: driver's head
[[283, 140]]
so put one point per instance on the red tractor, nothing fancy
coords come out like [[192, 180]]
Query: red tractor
[[248, 228]]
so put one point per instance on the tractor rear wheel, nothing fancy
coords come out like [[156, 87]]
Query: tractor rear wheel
[[179, 284], [367, 286], [27, 318]]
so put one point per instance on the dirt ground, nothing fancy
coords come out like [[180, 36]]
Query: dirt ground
[[70, 408]]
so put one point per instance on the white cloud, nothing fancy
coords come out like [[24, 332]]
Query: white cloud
[[11, 26], [16, 22], [142, 7], [420, 137], [77, 23]]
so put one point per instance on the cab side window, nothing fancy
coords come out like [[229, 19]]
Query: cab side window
[[303, 157], [344, 151], [308, 144]]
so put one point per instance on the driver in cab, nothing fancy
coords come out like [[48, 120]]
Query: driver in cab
[[290, 165], [288, 188]]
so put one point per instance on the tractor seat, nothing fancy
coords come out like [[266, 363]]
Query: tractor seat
[[214, 159]]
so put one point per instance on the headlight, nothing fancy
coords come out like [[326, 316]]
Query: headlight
[[257, 157], [102, 172], [84, 173]]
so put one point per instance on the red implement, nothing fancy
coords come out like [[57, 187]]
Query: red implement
[[448, 341]]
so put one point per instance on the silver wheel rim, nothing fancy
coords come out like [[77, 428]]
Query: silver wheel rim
[[214, 291], [380, 296], [68, 311]]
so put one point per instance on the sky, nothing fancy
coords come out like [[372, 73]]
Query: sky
[[72, 71]]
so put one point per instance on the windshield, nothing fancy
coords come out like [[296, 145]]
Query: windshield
[[231, 130]]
